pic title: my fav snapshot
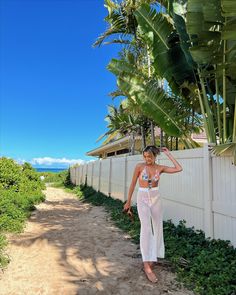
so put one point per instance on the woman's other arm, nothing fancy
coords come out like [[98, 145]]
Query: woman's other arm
[[132, 186]]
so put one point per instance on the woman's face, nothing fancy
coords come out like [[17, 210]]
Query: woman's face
[[149, 158]]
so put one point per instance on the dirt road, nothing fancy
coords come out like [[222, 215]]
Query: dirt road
[[69, 247]]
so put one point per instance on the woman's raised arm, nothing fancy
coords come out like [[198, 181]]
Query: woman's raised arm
[[177, 167]]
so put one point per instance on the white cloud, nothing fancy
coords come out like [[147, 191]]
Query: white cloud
[[55, 161], [20, 161]]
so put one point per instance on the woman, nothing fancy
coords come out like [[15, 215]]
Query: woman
[[149, 206]]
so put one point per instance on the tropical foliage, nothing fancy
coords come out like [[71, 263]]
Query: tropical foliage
[[178, 64], [59, 177]]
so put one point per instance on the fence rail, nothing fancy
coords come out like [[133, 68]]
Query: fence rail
[[203, 194]]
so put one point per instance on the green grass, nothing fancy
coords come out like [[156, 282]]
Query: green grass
[[4, 259]]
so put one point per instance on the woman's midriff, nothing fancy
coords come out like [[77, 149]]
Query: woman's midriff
[[144, 184]]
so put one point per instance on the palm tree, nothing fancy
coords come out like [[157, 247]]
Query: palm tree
[[123, 121], [123, 20]]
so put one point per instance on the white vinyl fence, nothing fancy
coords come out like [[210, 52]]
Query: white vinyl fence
[[203, 194]]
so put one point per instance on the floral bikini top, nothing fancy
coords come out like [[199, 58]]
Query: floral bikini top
[[144, 176]]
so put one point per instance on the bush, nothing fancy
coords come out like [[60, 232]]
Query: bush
[[19, 178], [15, 207], [20, 189], [62, 177], [10, 174], [4, 259]]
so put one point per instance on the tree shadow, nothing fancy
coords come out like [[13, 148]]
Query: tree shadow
[[92, 251]]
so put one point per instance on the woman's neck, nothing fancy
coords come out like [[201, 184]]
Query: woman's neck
[[151, 164]]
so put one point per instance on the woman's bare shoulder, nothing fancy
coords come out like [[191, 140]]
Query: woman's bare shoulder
[[159, 167], [139, 165]]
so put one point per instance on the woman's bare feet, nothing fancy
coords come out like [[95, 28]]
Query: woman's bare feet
[[149, 273], [151, 264]]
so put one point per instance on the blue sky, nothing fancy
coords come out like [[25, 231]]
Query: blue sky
[[54, 85]]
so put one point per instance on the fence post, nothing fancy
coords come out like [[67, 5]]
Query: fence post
[[81, 174], [86, 175], [208, 191], [99, 175], [109, 182], [71, 175], [78, 181], [92, 175], [125, 180]]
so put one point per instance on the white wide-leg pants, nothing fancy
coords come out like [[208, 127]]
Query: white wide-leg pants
[[149, 205]]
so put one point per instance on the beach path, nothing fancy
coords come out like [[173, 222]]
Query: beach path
[[69, 247]]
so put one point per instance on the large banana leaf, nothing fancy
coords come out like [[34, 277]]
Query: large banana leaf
[[204, 21], [229, 8], [226, 149], [212, 29], [207, 27], [169, 59]]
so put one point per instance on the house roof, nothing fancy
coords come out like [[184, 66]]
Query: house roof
[[116, 145]]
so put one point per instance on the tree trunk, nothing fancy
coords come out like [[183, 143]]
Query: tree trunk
[[161, 139], [153, 134], [176, 143], [143, 138], [166, 141], [132, 148], [171, 143]]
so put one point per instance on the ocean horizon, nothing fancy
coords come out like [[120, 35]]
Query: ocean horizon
[[54, 170]]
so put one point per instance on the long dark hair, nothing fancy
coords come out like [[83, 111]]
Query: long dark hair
[[152, 149]]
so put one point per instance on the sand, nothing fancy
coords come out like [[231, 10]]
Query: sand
[[69, 247]]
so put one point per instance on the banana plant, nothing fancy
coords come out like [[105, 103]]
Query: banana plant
[[195, 51], [124, 18], [168, 113], [211, 26], [169, 60]]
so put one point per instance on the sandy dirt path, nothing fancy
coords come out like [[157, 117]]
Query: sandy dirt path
[[69, 247]]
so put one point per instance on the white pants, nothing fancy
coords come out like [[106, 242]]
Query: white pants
[[149, 205]]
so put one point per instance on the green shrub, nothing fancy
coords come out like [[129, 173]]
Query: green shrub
[[15, 207], [19, 178], [20, 189], [62, 177], [4, 259], [10, 174]]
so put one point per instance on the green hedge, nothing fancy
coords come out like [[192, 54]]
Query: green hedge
[[206, 266], [60, 177], [20, 189]]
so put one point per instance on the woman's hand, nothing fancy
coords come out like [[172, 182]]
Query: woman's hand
[[127, 206], [167, 169], [165, 150]]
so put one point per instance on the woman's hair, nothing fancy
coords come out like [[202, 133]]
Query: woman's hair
[[152, 149]]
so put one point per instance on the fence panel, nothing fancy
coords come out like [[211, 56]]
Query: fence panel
[[77, 174], [118, 178], [224, 198], [104, 176], [72, 174], [96, 175], [182, 193], [89, 173]]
